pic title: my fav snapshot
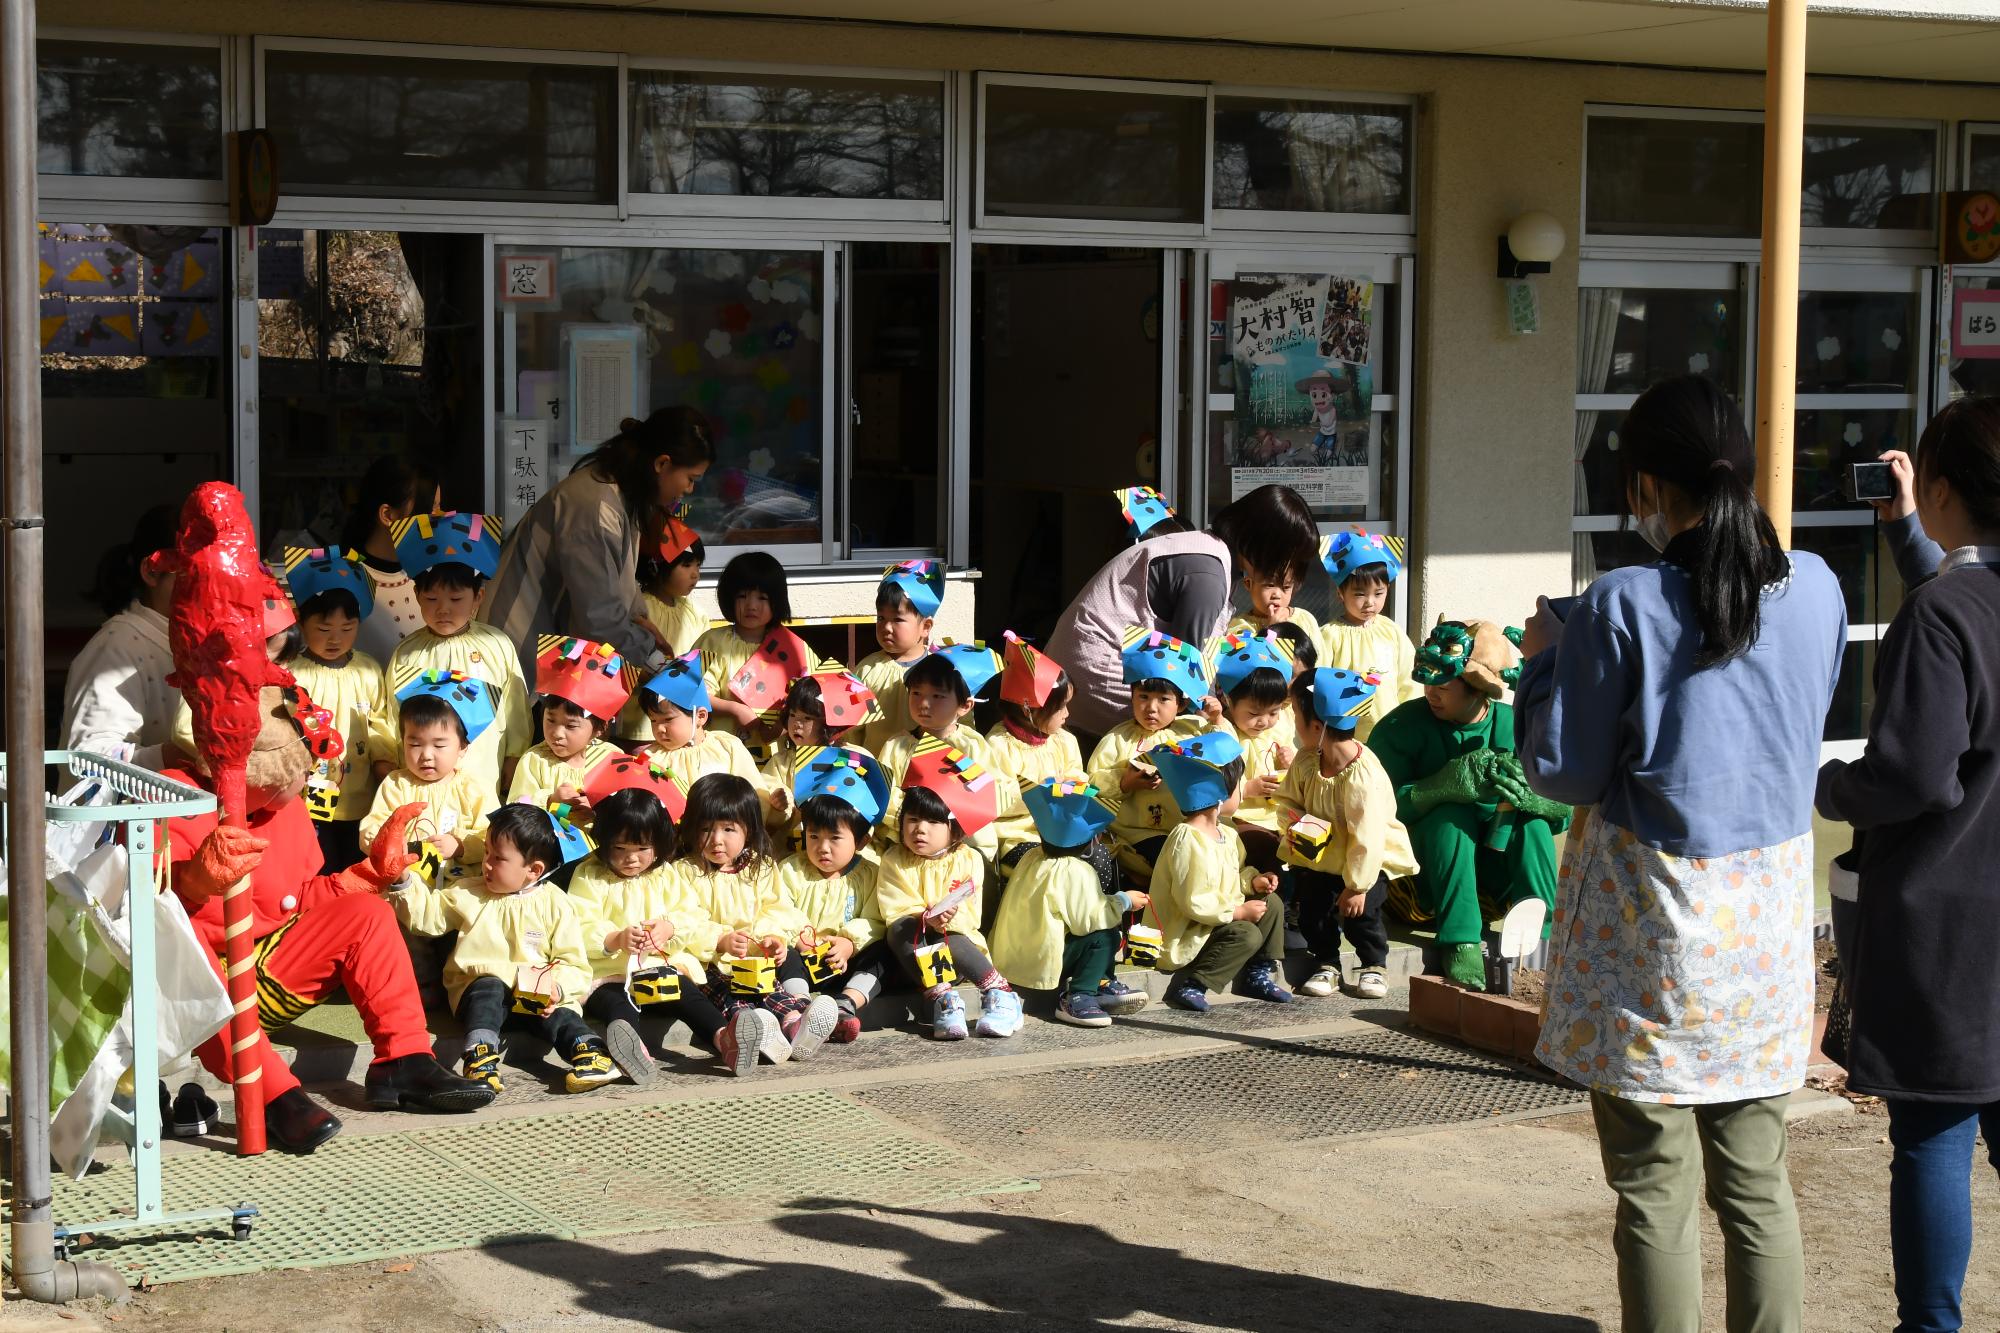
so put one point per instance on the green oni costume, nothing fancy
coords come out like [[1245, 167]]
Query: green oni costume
[[1483, 839]]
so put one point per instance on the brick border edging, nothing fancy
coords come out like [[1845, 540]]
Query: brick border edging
[[1497, 1023]]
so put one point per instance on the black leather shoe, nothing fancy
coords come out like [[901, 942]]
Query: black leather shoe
[[298, 1124], [419, 1080]]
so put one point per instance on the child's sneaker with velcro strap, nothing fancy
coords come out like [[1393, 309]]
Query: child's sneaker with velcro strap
[[629, 1053], [589, 1067], [948, 1017], [999, 1012], [1118, 999], [482, 1065], [1081, 1010], [1372, 984], [1324, 982]]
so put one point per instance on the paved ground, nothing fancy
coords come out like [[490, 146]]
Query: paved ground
[[1201, 1178]]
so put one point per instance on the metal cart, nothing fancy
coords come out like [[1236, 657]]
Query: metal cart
[[140, 800]]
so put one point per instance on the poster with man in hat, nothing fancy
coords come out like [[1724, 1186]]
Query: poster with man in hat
[[1304, 386]]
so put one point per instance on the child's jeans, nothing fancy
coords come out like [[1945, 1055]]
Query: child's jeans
[[1089, 960], [972, 965], [780, 1001], [609, 1003], [1321, 922], [487, 1006]]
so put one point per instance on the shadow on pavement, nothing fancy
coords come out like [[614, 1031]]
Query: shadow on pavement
[[1018, 1273]]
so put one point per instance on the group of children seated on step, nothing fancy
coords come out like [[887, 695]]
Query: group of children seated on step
[[756, 843]]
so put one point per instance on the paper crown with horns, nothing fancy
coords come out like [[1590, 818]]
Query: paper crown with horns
[[767, 675], [471, 699], [1346, 553], [849, 775], [311, 571], [1144, 509], [1027, 676], [679, 683], [632, 772], [845, 700], [975, 663], [1240, 652], [280, 612], [1151, 655], [921, 581], [591, 676], [1192, 768], [1482, 654], [572, 843], [675, 538], [1068, 811], [1340, 696], [964, 785], [425, 541]]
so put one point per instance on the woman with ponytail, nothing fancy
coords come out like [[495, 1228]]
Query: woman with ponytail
[[117, 700], [1683, 702]]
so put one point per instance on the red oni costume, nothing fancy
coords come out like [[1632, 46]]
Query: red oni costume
[[313, 933]]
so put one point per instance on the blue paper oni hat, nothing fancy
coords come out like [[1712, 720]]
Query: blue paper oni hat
[[679, 683], [975, 663], [1340, 695], [573, 843], [1068, 811], [471, 699], [922, 581], [1241, 652], [425, 541], [1151, 655], [1192, 769], [1345, 552], [1144, 509], [320, 569], [853, 776]]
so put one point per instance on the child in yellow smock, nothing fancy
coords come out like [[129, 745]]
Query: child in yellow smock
[[1169, 680], [840, 794], [442, 715], [1253, 677], [579, 688], [1030, 743], [827, 707], [938, 695], [667, 576], [755, 599], [1361, 639], [906, 607], [676, 703]]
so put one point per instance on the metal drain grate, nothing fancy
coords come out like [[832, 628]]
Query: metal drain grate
[[595, 1173], [1280, 1089]]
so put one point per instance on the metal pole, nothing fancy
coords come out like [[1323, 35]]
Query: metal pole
[[1778, 302]]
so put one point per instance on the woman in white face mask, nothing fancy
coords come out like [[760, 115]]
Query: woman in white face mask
[[1683, 701]]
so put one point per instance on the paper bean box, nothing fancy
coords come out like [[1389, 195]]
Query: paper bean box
[[536, 990], [934, 965], [818, 967], [755, 975], [654, 985], [1143, 945], [1308, 836]]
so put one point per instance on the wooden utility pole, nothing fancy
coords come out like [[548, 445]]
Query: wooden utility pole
[[1778, 296]]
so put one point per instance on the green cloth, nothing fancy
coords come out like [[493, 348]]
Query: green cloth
[[1656, 1159], [1450, 843], [88, 987], [1413, 744], [1088, 960]]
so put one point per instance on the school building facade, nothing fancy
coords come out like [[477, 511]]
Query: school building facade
[[945, 274]]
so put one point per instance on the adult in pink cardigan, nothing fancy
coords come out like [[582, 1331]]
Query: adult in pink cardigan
[[1178, 582]]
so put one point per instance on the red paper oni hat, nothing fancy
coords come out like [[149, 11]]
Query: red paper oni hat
[[592, 676], [623, 772], [965, 786], [845, 699], [1027, 676], [765, 680], [279, 612], [675, 538]]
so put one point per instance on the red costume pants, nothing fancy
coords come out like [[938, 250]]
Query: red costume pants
[[351, 941]]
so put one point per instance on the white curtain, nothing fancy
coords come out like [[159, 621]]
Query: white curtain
[[1597, 332]]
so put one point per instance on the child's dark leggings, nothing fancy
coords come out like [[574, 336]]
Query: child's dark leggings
[[486, 1007], [780, 1002], [1322, 924], [973, 965], [610, 1002]]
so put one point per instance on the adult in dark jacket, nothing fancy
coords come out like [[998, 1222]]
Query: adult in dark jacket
[[1926, 794]]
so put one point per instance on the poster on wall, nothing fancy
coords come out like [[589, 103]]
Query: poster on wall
[[1304, 386], [524, 465], [605, 385]]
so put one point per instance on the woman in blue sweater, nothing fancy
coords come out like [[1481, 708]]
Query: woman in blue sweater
[[1683, 700], [1926, 795]]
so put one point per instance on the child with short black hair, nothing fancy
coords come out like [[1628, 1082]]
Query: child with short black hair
[[450, 557], [929, 890], [1030, 743], [1059, 923], [726, 854], [676, 704], [520, 952], [841, 793], [1361, 639], [1341, 835], [938, 695], [906, 607], [636, 909], [579, 687], [1253, 674], [441, 715], [667, 575], [1269, 596], [822, 708], [334, 595], [755, 600], [1219, 916], [1304, 646], [1169, 680]]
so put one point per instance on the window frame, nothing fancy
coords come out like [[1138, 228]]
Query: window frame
[[1961, 160], [1223, 221], [474, 214], [193, 192], [644, 203], [1094, 228]]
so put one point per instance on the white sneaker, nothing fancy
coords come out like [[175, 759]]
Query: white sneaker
[[1322, 983], [1372, 985], [771, 1043]]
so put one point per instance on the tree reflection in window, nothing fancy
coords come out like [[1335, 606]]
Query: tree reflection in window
[[1311, 157]]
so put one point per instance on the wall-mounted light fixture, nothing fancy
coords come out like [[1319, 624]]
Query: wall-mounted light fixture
[[1533, 241]]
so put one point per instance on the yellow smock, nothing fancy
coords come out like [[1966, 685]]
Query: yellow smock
[[1026, 765], [723, 653], [1256, 624], [483, 653], [709, 752], [1261, 755], [884, 675], [539, 772], [1050, 900], [457, 805], [499, 934], [843, 904], [907, 884], [895, 759], [606, 901], [1359, 805], [1198, 883], [1380, 647], [752, 900], [681, 623], [1142, 814]]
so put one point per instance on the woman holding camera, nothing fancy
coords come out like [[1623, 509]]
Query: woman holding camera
[[1926, 1027]]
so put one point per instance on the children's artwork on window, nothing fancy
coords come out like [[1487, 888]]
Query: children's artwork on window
[[1305, 386]]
